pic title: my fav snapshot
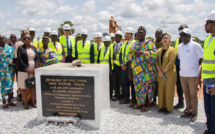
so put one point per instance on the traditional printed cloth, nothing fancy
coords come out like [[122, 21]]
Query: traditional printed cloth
[[6, 78], [143, 69], [158, 44], [47, 57]]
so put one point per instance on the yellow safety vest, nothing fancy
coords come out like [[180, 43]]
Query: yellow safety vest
[[86, 52], [58, 52], [111, 56], [35, 43], [176, 45], [104, 59], [102, 44], [208, 63], [62, 40], [81, 50], [124, 53]]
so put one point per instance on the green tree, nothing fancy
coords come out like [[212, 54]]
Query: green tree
[[150, 38], [198, 40], [60, 29]]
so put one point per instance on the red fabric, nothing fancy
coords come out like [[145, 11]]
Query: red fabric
[[97, 47]]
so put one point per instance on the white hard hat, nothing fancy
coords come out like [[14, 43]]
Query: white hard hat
[[66, 27], [119, 33], [106, 38], [186, 31], [98, 34], [32, 29], [211, 15], [47, 30], [129, 30], [112, 35], [54, 32], [84, 32]]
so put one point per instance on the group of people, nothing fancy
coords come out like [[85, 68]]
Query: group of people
[[140, 69]]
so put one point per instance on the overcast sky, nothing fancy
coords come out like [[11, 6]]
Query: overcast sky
[[93, 15]]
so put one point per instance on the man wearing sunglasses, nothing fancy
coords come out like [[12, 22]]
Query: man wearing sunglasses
[[68, 42], [177, 63], [208, 73]]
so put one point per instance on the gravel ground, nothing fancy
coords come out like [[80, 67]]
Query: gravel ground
[[119, 120]]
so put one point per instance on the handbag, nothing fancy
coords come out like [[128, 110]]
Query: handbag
[[30, 82]]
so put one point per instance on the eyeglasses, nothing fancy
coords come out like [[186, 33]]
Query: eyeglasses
[[66, 30], [165, 38], [13, 37], [180, 28], [207, 22], [27, 38]]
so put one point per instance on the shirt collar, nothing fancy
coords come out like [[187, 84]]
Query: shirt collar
[[188, 42]]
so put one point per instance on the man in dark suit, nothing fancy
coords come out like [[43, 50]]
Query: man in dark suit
[[116, 75]]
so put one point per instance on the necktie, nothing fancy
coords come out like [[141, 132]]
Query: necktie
[[116, 49], [67, 42], [105, 51], [97, 47], [83, 43]]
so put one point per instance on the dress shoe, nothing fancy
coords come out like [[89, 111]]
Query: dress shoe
[[162, 110], [193, 118], [206, 132], [131, 105], [167, 112], [179, 105], [123, 102], [188, 115], [113, 99]]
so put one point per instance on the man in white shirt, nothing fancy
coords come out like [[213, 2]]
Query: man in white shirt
[[190, 54]]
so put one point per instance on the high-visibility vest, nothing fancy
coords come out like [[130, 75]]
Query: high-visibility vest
[[111, 49], [176, 45], [208, 63], [124, 51], [35, 43], [62, 40], [104, 59], [87, 52], [58, 51], [102, 44], [81, 50]]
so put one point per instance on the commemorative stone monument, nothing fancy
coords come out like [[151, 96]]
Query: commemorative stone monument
[[82, 92]]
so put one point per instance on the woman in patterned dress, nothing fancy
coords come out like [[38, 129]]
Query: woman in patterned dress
[[142, 57], [6, 83]]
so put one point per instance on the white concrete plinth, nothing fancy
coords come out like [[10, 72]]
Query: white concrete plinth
[[100, 72]]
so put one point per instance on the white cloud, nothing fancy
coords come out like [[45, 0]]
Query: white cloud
[[152, 14], [65, 10], [35, 7], [4, 15], [89, 7], [38, 24], [105, 15]]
